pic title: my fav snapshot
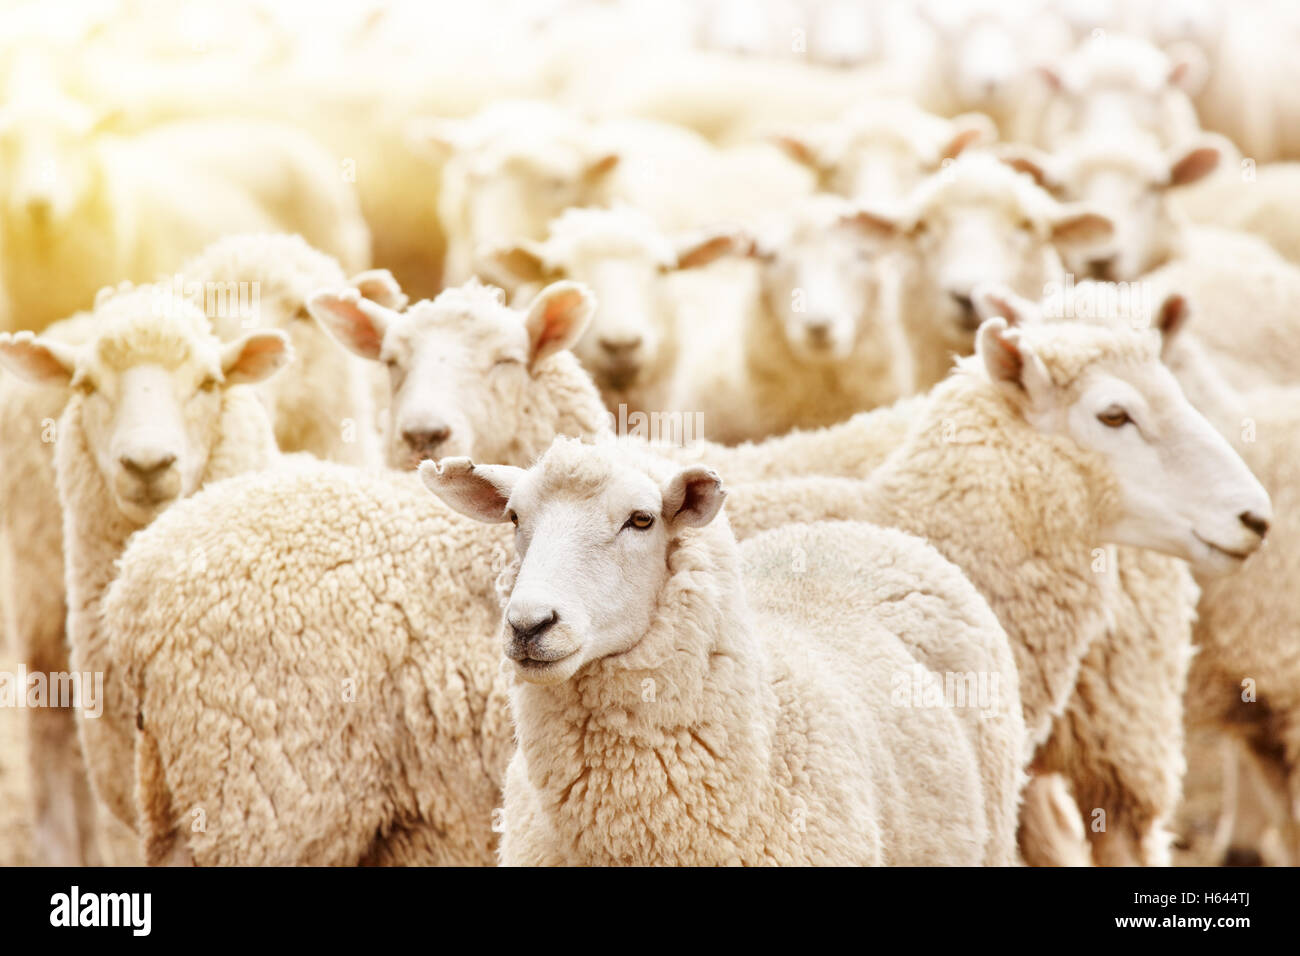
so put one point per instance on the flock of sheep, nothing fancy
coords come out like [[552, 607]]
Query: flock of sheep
[[794, 432]]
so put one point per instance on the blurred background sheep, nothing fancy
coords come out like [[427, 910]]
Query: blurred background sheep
[[790, 210]]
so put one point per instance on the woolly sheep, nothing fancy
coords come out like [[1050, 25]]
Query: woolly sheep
[[282, 271], [881, 150], [469, 374], [1128, 178], [686, 775], [153, 416], [514, 167], [975, 221], [816, 341], [1117, 82], [1250, 199], [125, 207], [345, 533], [631, 346]]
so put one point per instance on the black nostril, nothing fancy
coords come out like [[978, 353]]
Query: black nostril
[[615, 346], [963, 300], [425, 438], [149, 467], [1254, 522], [1102, 268], [531, 632]]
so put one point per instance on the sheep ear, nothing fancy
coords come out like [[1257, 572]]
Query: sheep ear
[[600, 167], [1034, 163], [1078, 229], [437, 137], [255, 357], [1006, 360], [557, 318], [513, 265], [379, 285], [995, 300], [699, 251], [875, 223], [1188, 68], [693, 497], [972, 129], [1170, 318], [476, 491], [356, 322], [799, 148], [42, 361], [1193, 164]]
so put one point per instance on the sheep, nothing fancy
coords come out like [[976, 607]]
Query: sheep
[[89, 209], [366, 516], [1129, 178], [1253, 199], [1115, 83], [517, 165], [1243, 678], [631, 344], [880, 150], [977, 220], [709, 708], [338, 423], [281, 272], [154, 414], [816, 341], [467, 373]]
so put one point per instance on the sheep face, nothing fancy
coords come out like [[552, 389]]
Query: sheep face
[[462, 367], [986, 66], [593, 538], [147, 396], [1178, 486], [1127, 181], [623, 258], [823, 289], [48, 159]]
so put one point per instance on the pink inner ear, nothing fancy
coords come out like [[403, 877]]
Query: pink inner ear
[[38, 361], [353, 326], [556, 321]]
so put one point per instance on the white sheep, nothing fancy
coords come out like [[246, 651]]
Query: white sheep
[[344, 538], [1129, 178], [517, 165], [241, 283], [880, 150], [975, 221], [89, 209], [153, 416], [1115, 82], [631, 346], [469, 374], [815, 339], [1253, 199], [709, 707]]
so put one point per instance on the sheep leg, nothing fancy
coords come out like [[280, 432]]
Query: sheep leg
[[64, 808]]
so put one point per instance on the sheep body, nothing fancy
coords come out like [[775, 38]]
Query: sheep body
[[142, 218]]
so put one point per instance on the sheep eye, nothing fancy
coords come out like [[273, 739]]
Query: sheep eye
[[208, 384], [514, 518], [84, 386], [508, 360], [1114, 417], [639, 520]]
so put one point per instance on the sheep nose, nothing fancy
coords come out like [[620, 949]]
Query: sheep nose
[[1102, 267], [426, 439], [528, 627], [1254, 522], [819, 330], [147, 465], [620, 345], [967, 307]]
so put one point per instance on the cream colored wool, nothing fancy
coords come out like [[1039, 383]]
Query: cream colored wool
[[742, 372], [1253, 200], [323, 689], [128, 329], [141, 215], [306, 558], [740, 757], [322, 403], [1051, 827]]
